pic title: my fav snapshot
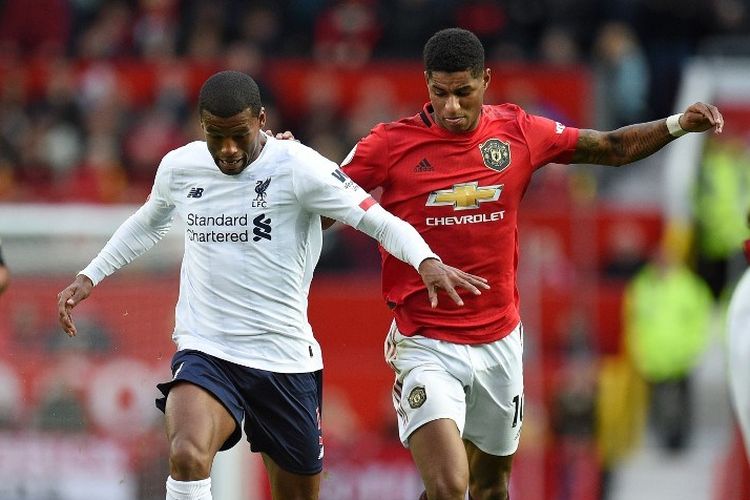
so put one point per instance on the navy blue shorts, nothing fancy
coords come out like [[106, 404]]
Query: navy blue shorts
[[281, 410]]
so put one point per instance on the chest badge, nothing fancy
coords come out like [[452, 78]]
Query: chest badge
[[260, 193], [495, 153]]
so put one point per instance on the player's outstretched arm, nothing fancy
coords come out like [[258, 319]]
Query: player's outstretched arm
[[437, 275], [635, 142], [70, 297]]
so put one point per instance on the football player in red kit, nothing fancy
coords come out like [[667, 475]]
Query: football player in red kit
[[457, 171]]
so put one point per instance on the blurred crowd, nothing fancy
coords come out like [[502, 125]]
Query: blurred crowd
[[76, 136]]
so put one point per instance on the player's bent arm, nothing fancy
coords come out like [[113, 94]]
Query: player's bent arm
[[396, 236], [635, 142], [140, 232]]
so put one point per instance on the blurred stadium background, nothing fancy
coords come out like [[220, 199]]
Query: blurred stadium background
[[94, 92]]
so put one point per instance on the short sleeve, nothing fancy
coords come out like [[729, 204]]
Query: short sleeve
[[549, 141]]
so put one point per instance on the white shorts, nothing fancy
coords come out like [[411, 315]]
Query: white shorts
[[479, 387], [738, 338]]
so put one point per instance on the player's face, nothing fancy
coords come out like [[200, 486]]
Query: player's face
[[235, 141], [457, 98]]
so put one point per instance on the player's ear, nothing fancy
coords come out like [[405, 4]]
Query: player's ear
[[262, 117], [486, 77], [427, 78]]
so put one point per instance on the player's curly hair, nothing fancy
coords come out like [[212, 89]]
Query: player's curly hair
[[228, 93], [454, 49]]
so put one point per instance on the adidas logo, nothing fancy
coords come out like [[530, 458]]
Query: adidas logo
[[195, 193], [423, 166]]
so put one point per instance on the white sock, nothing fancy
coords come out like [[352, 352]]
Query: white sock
[[189, 490]]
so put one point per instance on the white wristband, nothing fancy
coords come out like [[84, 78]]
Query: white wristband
[[673, 125]]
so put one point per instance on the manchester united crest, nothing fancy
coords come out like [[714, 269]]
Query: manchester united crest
[[496, 154], [417, 397]]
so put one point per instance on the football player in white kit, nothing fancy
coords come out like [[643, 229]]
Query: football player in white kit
[[738, 339], [245, 349]]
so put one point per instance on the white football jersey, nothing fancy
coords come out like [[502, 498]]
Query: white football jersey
[[251, 244], [738, 344]]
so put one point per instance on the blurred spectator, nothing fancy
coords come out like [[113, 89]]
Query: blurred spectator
[[722, 195], [669, 31], [323, 109], [406, 27], [261, 25], [558, 47], [485, 18], [100, 178], [622, 76], [15, 122], [667, 312], [573, 414], [109, 34], [155, 29], [626, 252], [346, 33], [60, 141], [202, 31], [61, 394], [29, 31]]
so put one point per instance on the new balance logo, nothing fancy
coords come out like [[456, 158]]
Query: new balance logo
[[262, 229], [195, 193], [423, 166]]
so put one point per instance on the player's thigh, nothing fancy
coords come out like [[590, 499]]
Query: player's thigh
[[287, 485], [494, 413], [283, 419], [439, 453], [194, 417]]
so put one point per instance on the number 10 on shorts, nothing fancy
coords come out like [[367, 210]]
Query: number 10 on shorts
[[518, 413]]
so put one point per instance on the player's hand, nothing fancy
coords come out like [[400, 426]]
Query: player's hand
[[70, 297], [436, 275], [700, 117], [283, 136]]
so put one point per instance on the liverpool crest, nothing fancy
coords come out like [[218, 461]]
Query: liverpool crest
[[496, 154]]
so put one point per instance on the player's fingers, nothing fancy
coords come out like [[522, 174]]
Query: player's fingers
[[453, 294], [469, 286], [432, 294], [473, 279], [66, 322], [718, 119], [477, 281]]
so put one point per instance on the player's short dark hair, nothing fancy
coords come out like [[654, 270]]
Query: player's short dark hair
[[454, 49], [228, 93]]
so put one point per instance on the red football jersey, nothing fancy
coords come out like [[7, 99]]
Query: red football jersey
[[462, 193]]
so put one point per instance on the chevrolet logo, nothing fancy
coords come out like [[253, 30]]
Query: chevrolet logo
[[464, 196]]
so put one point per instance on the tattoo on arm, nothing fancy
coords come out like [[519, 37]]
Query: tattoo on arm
[[621, 146]]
